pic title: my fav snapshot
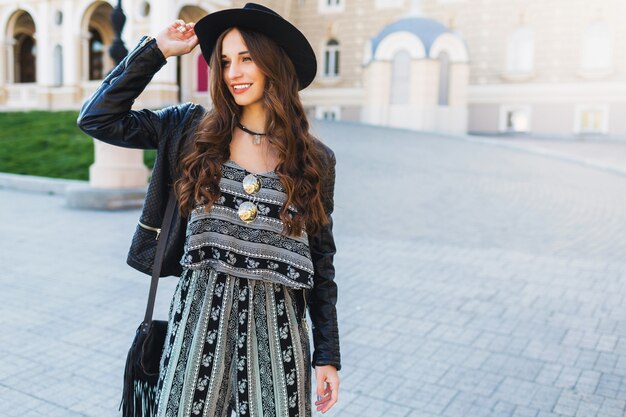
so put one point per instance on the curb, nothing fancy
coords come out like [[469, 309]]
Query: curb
[[78, 194], [538, 150], [43, 185]]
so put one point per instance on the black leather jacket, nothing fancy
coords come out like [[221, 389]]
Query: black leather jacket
[[107, 116]]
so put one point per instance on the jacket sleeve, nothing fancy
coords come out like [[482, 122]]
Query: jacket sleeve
[[323, 296], [107, 115]]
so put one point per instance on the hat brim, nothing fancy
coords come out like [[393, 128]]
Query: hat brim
[[286, 35]]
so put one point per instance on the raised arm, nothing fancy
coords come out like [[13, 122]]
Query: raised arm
[[107, 115]]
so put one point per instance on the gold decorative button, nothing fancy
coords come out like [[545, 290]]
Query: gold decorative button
[[251, 184], [247, 211]]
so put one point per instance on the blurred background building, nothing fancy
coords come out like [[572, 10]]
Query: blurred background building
[[543, 67]]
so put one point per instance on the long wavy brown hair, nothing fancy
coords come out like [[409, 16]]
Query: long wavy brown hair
[[301, 159]]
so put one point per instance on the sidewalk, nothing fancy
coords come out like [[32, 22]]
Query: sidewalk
[[477, 278]]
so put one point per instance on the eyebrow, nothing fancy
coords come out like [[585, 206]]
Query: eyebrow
[[240, 53]]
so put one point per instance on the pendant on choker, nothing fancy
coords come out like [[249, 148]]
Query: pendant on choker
[[256, 136]]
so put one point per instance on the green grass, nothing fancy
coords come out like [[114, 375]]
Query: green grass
[[47, 144]]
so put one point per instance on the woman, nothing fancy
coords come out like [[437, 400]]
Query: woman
[[255, 194]]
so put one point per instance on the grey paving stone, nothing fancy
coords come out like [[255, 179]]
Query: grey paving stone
[[613, 408], [567, 403], [545, 397], [523, 411]]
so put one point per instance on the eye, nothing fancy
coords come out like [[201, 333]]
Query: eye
[[247, 57], [225, 63]]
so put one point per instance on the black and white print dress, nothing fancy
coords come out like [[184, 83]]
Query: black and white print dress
[[237, 338]]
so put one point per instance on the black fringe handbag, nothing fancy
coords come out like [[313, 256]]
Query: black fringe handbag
[[141, 374]]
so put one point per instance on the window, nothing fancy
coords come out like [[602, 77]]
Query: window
[[444, 79], [58, 65], [144, 9], [328, 113], [331, 59], [521, 51], [592, 119], [25, 59], [331, 6], [58, 18], [515, 119], [597, 48], [202, 70], [401, 78], [96, 56]]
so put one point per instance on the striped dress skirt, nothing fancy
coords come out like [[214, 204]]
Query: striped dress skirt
[[234, 346]]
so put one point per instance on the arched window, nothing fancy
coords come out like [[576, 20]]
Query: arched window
[[597, 48], [203, 75], [400, 78], [521, 52], [96, 55], [58, 65], [444, 79], [331, 59], [25, 59]]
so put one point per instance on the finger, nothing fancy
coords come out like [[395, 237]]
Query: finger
[[320, 387], [325, 398], [332, 398], [189, 32], [177, 22], [321, 404], [334, 394], [178, 27]]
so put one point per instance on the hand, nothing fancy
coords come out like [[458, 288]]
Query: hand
[[326, 395], [173, 41]]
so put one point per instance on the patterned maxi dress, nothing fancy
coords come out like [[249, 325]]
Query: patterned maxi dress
[[237, 337]]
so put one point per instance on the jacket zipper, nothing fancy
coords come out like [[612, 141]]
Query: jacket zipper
[[304, 298], [129, 57], [143, 43], [154, 229], [304, 320]]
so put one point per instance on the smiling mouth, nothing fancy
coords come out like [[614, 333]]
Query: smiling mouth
[[240, 88]]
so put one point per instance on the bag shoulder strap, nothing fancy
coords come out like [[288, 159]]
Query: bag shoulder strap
[[158, 259]]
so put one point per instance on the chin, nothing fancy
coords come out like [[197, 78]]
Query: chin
[[247, 102]]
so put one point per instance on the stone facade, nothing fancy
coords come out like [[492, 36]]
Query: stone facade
[[483, 66]]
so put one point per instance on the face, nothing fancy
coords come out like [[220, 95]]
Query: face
[[244, 79]]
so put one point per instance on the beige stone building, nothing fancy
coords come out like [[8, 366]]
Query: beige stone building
[[542, 67]]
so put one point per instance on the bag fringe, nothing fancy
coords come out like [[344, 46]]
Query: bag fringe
[[141, 402], [138, 396]]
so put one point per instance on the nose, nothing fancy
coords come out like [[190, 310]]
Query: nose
[[234, 71]]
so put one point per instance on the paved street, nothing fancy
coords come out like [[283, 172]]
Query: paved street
[[475, 280]]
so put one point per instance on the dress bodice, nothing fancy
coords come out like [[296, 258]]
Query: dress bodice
[[220, 238]]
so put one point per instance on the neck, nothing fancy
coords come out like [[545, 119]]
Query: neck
[[253, 118]]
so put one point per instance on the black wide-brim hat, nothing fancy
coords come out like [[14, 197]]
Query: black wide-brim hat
[[260, 18]]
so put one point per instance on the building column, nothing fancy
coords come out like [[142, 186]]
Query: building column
[[3, 70], [84, 56], [10, 63], [45, 77], [71, 43], [377, 84], [116, 167]]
